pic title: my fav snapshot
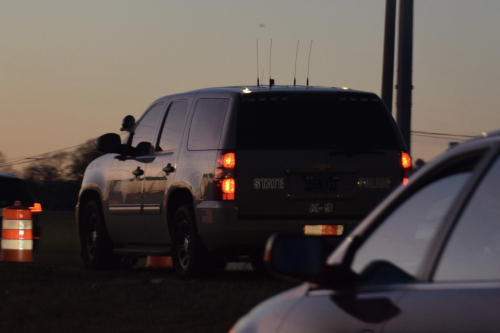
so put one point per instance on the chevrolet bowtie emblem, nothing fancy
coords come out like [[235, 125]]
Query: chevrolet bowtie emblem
[[322, 166]]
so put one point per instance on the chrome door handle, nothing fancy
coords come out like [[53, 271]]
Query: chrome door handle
[[138, 172], [168, 169]]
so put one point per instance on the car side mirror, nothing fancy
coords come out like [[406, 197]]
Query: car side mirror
[[109, 143], [128, 123], [384, 272], [304, 258], [296, 257], [143, 148]]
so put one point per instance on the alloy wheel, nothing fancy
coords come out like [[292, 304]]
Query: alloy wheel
[[91, 235], [183, 244]]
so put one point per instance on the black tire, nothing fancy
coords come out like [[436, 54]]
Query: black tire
[[189, 256], [95, 244], [186, 248]]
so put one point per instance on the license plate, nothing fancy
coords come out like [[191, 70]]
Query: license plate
[[324, 230], [321, 183]]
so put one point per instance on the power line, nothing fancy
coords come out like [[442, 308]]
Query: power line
[[29, 159], [443, 134], [439, 137], [50, 152], [47, 155], [35, 159]]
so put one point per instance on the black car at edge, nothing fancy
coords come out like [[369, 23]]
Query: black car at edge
[[427, 259]]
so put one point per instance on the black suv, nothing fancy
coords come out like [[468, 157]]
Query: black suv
[[212, 173]]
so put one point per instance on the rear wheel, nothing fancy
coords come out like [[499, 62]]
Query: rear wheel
[[189, 256], [187, 249], [96, 249]]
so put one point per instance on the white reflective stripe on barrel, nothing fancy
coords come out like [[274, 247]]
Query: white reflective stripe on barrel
[[17, 244], [17, 224]]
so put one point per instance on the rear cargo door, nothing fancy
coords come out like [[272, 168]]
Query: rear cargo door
[[329, 156]]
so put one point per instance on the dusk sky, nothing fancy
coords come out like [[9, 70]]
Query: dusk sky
[[71, 70]]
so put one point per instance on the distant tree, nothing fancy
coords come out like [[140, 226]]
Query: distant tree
[[47, 170], [3, 160], [56, 178], [81, 158], [47, 178]]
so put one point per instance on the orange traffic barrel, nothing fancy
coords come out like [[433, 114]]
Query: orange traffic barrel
[[159, 262], [17, 234]]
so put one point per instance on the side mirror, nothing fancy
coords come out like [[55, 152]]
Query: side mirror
[[128, 123], [304, 258], [109, 143], [298, 257], [143, 148]]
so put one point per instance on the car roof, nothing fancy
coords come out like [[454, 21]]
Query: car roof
[[266, 88], [262, 89], [8, 175], [483, 139], [490, 134]]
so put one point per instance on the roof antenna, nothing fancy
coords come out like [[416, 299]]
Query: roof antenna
[[271, 81], [258, 83], [308, 61], [296, 55]]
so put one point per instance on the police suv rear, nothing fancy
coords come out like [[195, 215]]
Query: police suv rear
[[210, 174]]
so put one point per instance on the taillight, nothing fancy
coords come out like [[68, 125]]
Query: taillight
[[37, 208], [228, 189], [224, 180], [229, 161], [406, 166], [405, 160]]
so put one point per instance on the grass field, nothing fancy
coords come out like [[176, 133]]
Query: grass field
[[56, 294], [59, 239]]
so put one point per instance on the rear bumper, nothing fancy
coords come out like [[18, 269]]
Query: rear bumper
[[219, 227]]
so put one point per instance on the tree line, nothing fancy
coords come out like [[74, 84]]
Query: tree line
[[55, 178]]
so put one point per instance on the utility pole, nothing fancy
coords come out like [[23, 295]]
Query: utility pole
[[388, 62], [405, 68]]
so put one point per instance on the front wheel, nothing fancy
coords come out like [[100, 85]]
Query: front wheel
[[95, 244]]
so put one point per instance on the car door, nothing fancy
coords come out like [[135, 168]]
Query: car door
[[126, 181], [387, 263], [464, 292], [160, 172]]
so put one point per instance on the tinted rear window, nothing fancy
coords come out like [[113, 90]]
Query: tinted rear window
[[334, 122], [207, 123], [11, 190]]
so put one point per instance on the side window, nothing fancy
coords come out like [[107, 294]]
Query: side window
[[144, 132], [171, 134], [473, 251], [206, 126], [395, 250]]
